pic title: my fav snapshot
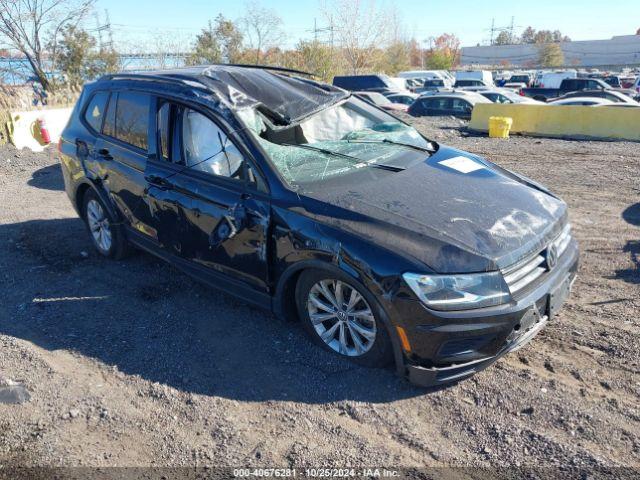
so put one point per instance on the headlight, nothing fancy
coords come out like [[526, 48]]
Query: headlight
[[459, 292]]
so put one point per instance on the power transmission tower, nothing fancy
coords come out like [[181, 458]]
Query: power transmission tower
[[511, 30], [104, 27], [315, 30]]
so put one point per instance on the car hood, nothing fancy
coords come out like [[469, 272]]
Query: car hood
[[454, 212]]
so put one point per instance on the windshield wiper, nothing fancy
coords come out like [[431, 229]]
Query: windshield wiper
[[393, 142], [324, 151], [356, 160]]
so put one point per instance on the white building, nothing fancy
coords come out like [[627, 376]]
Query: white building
[[618, 51]]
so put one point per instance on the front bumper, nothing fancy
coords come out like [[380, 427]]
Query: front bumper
[[450, 346]]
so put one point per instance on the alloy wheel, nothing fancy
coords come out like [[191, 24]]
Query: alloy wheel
[[99, 226], [341, 317]]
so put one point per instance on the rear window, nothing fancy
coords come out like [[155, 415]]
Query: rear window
[[95, 110], [128, 118]]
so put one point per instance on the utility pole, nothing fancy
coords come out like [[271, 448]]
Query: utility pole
[[493, 28], [108, 28], [512, 30]]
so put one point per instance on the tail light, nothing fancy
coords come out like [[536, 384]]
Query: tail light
[[521, 92]]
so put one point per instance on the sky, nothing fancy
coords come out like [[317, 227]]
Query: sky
[[143, 21]]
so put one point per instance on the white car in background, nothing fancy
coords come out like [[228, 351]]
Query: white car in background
[[500, 95], [584, 101], [515, 86]]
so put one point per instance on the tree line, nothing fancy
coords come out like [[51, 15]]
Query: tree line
[[364, 37]]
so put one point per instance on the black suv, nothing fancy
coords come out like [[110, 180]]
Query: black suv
[[300, 197], [365, 83]]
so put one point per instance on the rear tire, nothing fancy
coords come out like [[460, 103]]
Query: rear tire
[[106, 233], [343, 317]]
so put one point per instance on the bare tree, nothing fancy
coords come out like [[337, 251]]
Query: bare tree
[[360, 27], [262, 28], [33, 28]]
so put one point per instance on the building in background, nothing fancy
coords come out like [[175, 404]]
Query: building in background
[[618, 51]]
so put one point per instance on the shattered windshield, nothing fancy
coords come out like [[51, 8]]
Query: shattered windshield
[[337, 141]]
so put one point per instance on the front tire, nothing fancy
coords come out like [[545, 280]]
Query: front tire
[[343, 317], [106, 234]]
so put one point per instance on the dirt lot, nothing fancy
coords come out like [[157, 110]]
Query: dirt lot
[[132, 363]]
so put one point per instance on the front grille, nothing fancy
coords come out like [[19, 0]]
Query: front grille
[[523, 273]]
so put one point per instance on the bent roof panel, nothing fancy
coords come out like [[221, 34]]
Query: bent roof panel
[[290, 98]]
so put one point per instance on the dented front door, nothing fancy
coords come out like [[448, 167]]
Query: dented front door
[[204, 209]]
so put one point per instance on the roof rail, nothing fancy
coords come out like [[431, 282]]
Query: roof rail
[[265, 67], [152, 78]]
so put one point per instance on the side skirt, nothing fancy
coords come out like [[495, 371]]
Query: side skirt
[[207, 276]]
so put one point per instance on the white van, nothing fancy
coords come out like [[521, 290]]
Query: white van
[[554, 79], [484, 76]]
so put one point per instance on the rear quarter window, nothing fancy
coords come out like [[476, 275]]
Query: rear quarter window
[[95, 110]]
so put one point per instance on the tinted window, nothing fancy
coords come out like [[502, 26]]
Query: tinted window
[[438, 103], [460, 106], [95, 110], [132, 119], [206, 148]]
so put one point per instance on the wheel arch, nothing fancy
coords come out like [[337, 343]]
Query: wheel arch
[[284, 303], [81, 192]]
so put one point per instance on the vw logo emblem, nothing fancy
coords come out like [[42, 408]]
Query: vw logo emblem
[[552, 257]]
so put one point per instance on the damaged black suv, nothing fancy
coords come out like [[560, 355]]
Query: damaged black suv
[[305, 199]]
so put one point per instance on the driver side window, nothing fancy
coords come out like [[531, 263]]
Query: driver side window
[[206, 147]]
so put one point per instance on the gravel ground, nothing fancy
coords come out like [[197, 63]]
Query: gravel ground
[[132, 363]]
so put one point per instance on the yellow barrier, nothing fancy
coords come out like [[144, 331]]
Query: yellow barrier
[[562, 120]]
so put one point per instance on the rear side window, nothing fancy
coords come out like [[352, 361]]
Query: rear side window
[[95, 110], [132, 119]]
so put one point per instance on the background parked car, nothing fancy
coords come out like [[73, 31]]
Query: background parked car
[[612, 95], [521, 78], [403, 98], [431, 85], [584, 101], [554, 79], [458, 104], [368, 83], [382, 101], [483, 76], [500, 95], [567, 86], [515, 86], [470, 83]]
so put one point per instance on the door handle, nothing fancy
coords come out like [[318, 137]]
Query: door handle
[[159, 182], [104, 154]]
